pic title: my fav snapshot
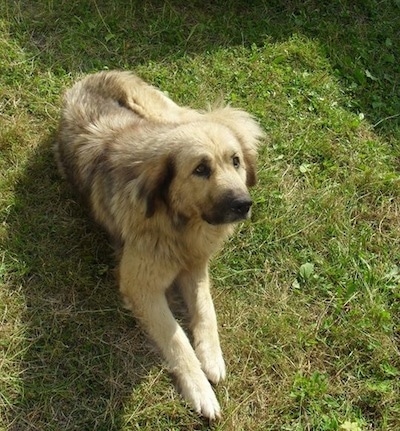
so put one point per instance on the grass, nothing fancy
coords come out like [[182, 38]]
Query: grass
[[307, 293]]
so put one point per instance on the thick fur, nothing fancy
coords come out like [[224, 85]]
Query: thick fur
[[168, 183]]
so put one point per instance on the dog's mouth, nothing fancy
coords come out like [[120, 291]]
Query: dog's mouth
[[229, 210]]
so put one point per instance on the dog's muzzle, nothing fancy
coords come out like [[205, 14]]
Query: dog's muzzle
[[229, 209], [241, 207]]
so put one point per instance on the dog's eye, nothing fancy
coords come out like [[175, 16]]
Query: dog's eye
[[236, 161], [202, 170]]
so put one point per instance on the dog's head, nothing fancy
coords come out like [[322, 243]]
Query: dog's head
[[203, 171]]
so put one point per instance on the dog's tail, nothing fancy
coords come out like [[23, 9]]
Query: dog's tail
[[99, 95]]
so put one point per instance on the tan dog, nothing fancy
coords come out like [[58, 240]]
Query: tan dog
[[168, 183]]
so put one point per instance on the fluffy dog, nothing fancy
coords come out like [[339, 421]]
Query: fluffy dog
[[168, 183]]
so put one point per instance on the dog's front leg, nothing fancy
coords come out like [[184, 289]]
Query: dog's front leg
[[195, 288], [143, 282]]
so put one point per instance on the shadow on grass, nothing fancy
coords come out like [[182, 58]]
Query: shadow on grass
[[360, 37], [83, 356]]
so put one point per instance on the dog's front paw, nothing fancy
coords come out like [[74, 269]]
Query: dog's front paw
[[212, 362], [198, 392]]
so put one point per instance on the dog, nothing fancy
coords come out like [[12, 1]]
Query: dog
[[168, 183]]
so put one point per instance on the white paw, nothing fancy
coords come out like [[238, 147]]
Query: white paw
[[212, 362], [198, 392]]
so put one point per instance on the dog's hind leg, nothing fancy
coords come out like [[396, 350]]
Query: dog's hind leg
[[145, 289], [195, 288]]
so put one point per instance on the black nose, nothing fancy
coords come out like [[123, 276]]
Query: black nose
[[241, 206]]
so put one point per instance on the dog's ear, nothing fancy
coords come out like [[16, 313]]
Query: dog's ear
[[155, 179], [248, 132], [250, 160]]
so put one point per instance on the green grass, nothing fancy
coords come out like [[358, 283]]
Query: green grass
[[307, 293]]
